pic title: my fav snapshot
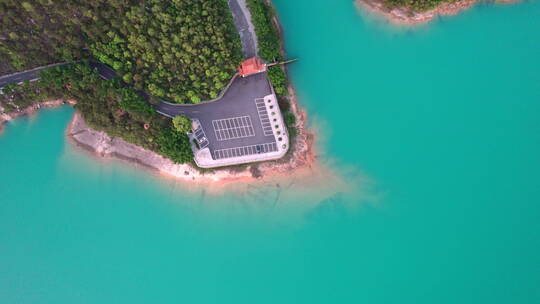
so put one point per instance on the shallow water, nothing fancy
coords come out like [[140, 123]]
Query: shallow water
[[433, 132]]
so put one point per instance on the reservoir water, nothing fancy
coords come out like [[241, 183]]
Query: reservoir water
[[432, 131]]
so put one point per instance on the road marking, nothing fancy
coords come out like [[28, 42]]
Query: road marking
[[233, 128], [201, 137], [245, 151], [263, 117]]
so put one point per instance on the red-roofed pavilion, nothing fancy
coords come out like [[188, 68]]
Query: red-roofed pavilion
[[251, 66]]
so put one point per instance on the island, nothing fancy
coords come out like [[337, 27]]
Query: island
[[183, 87], [418, 11]]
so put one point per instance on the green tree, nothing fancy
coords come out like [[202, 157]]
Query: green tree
[[175, 145], [269, 42], [166, 46], [182, 124]]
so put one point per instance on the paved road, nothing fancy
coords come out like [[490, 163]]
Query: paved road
[[249, 44], [22, 76], [33, 74], [237, 101], [103, 70], [240, 20]]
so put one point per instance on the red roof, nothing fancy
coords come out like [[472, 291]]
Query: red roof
[[251, 66]]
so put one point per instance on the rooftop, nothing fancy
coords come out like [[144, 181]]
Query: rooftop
[[251, 66]]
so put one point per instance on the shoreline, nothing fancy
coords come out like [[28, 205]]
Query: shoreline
[[404, 15], [102, 145], [301, 154], [98, 143], [7, 117]]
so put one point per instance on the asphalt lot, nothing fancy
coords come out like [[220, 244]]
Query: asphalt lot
[[238, 101], [236, 124], [241, 100]]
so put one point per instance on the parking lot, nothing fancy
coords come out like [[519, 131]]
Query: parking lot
[[237, 123], [232, 128], [246, 150], [263, 116], [201, 137]]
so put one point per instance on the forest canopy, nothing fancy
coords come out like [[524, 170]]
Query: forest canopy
[[105, 105], [417, 5], [262, 16], [185, 51]]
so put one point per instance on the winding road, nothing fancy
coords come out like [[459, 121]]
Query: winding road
[[241, 99], [29, 75]]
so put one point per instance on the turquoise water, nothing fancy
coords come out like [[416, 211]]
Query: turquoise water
[[435, 131]]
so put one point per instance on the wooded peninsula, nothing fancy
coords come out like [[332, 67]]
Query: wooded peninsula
[[183, 52]]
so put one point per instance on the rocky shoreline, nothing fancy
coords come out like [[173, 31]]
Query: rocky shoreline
[[405, 15], [99, 143], [301, 154], [5, 117]]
